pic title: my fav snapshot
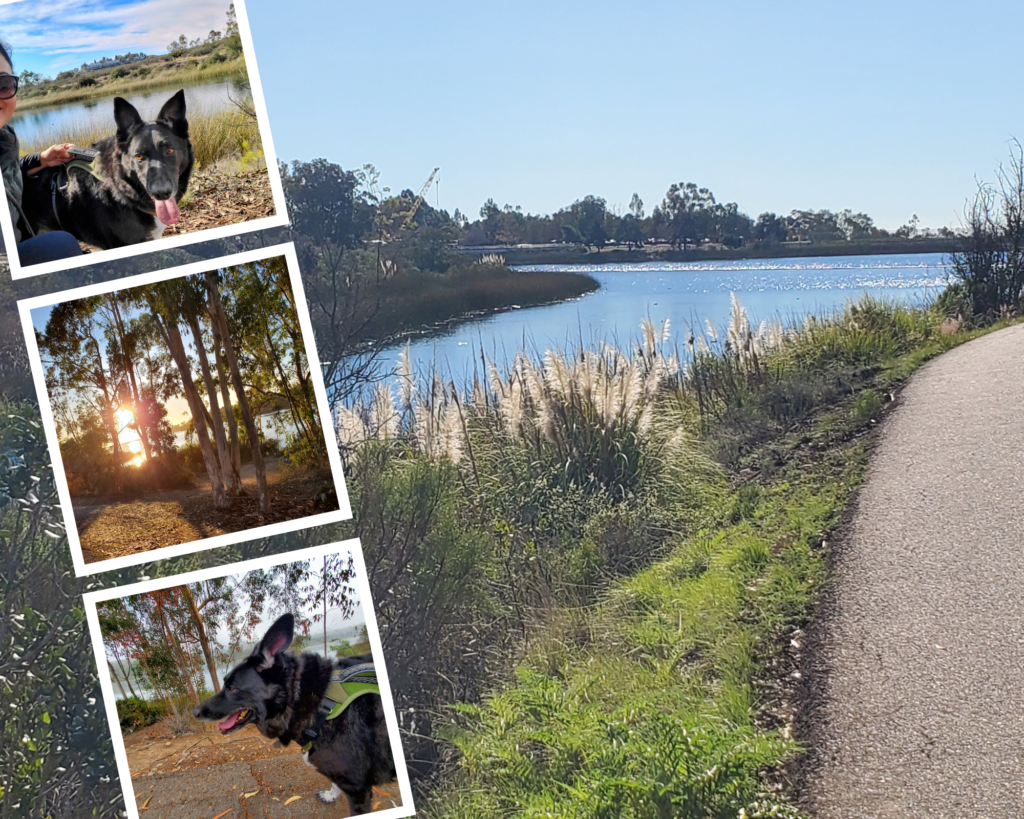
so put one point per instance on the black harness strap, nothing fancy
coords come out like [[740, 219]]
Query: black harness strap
[[54, 188]]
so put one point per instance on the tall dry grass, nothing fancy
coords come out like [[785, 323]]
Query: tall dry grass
[[216, 134]]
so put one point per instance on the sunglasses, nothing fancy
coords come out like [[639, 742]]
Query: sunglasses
[[8, 86]]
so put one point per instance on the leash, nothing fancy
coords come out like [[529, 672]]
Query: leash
[[346, 686]]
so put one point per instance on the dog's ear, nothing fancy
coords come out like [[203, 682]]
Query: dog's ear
[[126, 117], [173, 114], [277, 639]]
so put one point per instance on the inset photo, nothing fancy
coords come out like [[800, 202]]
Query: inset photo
[[185, 409], [256, 689], [128, 127]]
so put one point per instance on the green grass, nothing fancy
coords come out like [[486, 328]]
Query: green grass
[[656, 710]]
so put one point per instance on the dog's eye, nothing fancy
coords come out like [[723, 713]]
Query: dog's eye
[[170, 151], [138, 157], [232, 690]]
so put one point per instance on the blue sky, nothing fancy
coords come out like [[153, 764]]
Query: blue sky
[[892, 109], [889, 108], [54, 36]]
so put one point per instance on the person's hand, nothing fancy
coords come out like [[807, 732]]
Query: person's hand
[[55, 155]]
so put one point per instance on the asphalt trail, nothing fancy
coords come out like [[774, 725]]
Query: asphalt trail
[[919, 673]]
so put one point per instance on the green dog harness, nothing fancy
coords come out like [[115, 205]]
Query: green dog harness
[[346, 686], [57, 189]]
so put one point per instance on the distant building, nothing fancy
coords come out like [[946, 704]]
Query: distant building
[[111, 63]]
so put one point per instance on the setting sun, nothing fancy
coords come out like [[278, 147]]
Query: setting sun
[[123, 417]]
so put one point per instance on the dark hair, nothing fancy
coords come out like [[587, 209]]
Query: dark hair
[[5, 52]]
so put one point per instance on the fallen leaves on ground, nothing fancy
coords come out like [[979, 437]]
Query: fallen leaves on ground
[[171, 518], [218, 198]]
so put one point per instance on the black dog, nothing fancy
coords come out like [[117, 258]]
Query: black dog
[[281, 693], [132, 195]]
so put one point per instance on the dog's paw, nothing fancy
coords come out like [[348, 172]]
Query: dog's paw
[[329, 797]]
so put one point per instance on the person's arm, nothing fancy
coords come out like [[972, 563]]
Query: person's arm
[[51, 157], [30, 163]]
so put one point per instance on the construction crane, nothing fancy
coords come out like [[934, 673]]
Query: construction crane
[[419, 200]]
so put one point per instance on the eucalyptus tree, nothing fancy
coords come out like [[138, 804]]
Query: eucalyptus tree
[[126, 341], [75, 365], [165, 301], [216, 307], [264, 311], [192, 306]]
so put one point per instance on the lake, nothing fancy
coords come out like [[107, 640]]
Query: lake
[[685, 292], [277, 425], [208, 97]]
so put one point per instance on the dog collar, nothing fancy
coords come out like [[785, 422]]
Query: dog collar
[[346, 686]]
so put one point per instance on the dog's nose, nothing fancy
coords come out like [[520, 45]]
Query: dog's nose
[[195, 711], [161, 192]]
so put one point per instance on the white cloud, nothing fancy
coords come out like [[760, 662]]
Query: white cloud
[[62, 28]]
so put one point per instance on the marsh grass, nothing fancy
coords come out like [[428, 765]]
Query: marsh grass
[[222, 134], [627, 537]]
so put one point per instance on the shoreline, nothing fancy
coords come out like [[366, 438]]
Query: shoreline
[[432, 329], [165, 79], [445, 325], [566, 255]]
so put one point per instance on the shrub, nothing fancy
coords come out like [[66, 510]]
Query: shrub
[[218, 57], [58, 746], [86, 82], [134, 713], [303, 453], [954, 302], [120, 73], [866, 407]]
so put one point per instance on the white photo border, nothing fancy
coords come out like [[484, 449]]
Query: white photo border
[[280, 219], [344, 511], [90, 599]]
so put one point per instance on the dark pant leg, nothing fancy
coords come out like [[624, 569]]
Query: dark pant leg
[[48, 247]]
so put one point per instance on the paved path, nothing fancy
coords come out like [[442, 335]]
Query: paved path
[[221, 791], [920, 669]]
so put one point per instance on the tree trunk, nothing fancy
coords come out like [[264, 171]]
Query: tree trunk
[[222, 377], [172, 338], [293, 403], [234, 486], [127, 674], [140, 423], [116, 679], [203, 639], [108, 407], [243, 402], [183, 663]]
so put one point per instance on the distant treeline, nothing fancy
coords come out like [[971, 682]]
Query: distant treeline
[[688, 217]]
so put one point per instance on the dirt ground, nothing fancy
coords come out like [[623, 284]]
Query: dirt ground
[[206, 775], [109, 527], [217, 198]]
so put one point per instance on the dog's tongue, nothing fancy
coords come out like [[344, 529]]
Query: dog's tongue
[[224, 724], [167, 211]]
